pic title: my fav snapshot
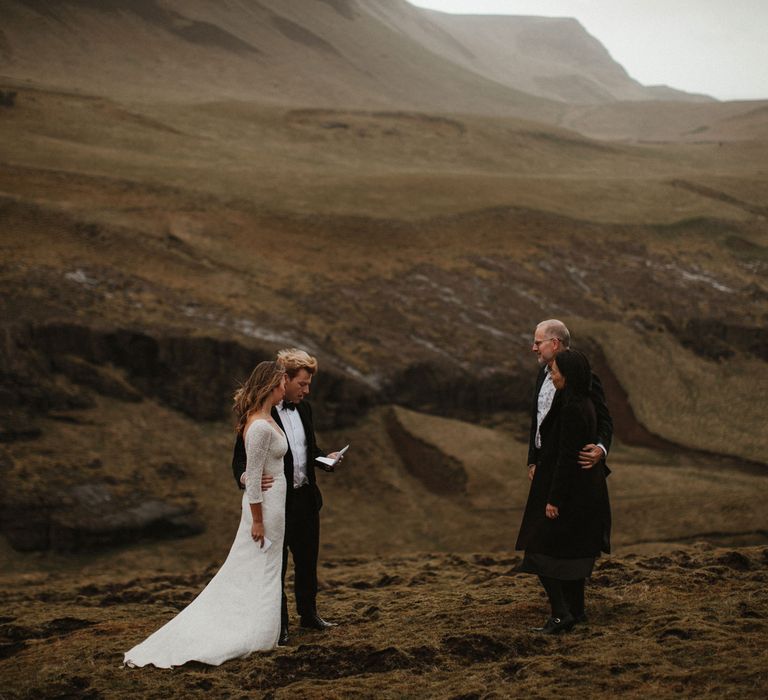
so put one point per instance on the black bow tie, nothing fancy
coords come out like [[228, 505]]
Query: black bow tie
[[288, 406]]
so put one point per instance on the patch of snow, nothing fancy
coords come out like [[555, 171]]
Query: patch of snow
[[493, 331], [80, 277], [706, 279], [578, 277]]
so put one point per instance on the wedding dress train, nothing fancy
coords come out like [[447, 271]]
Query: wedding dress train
[[238, 612]]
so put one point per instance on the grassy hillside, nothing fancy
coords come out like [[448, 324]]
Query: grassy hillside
[[386, 240], [172, 216]]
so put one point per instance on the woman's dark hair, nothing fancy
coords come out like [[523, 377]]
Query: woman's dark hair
[[574, 366]]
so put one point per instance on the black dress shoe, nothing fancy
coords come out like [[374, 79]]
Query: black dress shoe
[[580, 618], [283, 639], [315, 622], [556, 625]]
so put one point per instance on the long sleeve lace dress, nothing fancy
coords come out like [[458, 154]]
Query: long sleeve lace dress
[[238, 612]]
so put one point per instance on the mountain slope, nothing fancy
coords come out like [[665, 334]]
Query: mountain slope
[[350, 54], [317, 52], [550, 57], [290, 52]]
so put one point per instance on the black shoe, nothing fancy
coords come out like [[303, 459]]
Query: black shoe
[[556, 625], [315, 622], [580, 618], [283, 639]]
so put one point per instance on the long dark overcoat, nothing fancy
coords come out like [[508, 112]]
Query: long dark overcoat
[[584, 523]]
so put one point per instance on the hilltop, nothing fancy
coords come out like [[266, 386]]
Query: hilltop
[[350, 53]]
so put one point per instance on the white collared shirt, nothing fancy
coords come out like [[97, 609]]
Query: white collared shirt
[[297, 443], [546, 396]]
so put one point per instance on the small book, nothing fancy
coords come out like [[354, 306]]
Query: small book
[[332, 462]]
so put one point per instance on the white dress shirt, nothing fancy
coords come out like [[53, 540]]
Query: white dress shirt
[[297, 443], [546, 396]]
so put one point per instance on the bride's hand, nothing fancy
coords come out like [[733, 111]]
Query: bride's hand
[[257, 532]]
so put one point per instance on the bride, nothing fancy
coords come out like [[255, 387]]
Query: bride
[[238, 612]]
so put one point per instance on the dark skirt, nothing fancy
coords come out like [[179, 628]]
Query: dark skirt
[[564, 569]]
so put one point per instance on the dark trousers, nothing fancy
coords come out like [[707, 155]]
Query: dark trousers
[[564, 596], [302, 538]]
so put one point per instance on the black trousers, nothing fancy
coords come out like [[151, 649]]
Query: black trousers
[[302, 538]]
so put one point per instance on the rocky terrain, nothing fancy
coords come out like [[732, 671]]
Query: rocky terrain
[[687, 623], [405, 195]]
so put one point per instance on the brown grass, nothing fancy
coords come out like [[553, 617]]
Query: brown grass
[[686, 404], [690, 623]]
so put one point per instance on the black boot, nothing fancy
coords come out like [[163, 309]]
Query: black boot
[[556, 625], [561, 619]]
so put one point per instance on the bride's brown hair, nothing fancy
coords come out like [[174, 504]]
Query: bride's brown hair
[[254, 392]]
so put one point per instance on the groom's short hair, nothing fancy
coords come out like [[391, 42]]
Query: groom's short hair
[[293, 360]]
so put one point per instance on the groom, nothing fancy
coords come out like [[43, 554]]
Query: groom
[[303, 499]]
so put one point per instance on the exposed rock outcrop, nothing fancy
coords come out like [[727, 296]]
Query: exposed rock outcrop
[[85, 514], [191, 374], [439, 472]]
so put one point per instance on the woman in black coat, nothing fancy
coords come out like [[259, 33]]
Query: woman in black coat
[[567, 517]]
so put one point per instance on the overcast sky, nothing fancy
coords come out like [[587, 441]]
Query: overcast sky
[[718, 47]]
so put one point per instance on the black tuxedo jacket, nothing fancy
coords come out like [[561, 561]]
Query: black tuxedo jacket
[[604, 421], [313, 451]]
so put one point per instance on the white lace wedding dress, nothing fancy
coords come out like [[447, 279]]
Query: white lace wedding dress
[[238, 612]]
